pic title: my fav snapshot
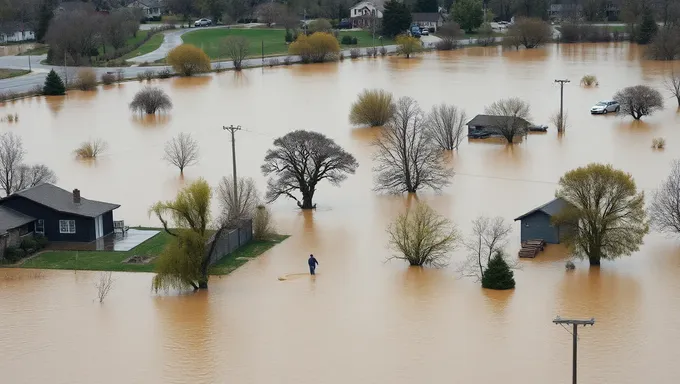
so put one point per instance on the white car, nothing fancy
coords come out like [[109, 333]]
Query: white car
[[424, 31], [202, 22], [604, 107]]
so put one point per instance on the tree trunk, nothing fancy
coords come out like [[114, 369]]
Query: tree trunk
[[203, 284], [306, 201], [594, 261], [678, 97]]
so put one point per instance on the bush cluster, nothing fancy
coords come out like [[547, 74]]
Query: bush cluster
[[577, 32], [349, 40], [27, 246]]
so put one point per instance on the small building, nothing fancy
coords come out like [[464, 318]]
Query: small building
[[13, 227], [429, 20], [366, 13], [490, 124], [15, 33], [537, 223], [60, 215], [151, 9]]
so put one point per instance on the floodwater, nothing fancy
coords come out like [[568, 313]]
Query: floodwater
[[361, 320]]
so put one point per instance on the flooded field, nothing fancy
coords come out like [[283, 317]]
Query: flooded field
[[361, 320]]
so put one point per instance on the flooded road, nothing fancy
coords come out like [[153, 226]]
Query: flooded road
[[361, 320]]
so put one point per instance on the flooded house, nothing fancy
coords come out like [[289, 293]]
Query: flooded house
[[537, 224], [483, 126]]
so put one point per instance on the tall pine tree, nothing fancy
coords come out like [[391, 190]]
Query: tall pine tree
[[53, 85], [648, 26], [396, 18]]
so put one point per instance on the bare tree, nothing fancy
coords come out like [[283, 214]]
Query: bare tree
[[270, 12], [302, 159], [560, 120], [529, 32], [407, 158], [14, 174], [666, 44], [512, 117], [262, 225], [181, 151], [236, 47], [104, 284], [446, 126], [75, 34], [489, 235], [664, 212], [422, 237], [672, 83], [638, 101], [150, 100], [240, 207]]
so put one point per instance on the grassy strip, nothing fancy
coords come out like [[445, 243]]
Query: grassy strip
[[273, 40], [9, 73], [242, 255], [39, 49], [149, 46]]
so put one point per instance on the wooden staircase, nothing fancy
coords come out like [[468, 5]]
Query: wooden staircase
[[531, 248]]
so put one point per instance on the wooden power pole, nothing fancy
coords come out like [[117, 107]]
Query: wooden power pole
[[574, 333], [561, 127], [233, 129]]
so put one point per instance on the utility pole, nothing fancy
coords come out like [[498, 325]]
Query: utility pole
[[575, 324], [233, 129], [561, 127]]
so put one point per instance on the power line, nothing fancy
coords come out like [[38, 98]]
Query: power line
[[575, 323]]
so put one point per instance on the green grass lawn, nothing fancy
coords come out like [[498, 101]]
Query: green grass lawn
[[39, 49], [151, 45], [141, 35], [274, 40], [8, 73], [112, 261]]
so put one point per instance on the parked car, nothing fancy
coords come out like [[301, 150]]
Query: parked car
[[415, 31], [202, 23], [479, 134], [424, 31], [538, 128], [344, 24], [604, 107]]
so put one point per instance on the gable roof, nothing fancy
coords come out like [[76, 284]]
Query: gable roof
[[491, 121], [550, 208], [61, 200], [149, 3], [10, 219], [426, 16], [377, 4]]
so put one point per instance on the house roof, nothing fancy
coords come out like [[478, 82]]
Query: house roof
[[550, 208], [61, 200], [10, 219], [70, 6], [490, 121], [378, 4], [150, 3], [427, 16]]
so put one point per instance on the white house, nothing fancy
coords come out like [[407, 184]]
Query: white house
[[14, 33], [150, 8], [363, 14]]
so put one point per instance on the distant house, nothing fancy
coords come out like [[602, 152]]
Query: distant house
[[13, 227], [15, 32], [431, 20], [564, 11], [151, 9], [537, 223], [60, 215], [365, 13], [489, 124], [72, 6]]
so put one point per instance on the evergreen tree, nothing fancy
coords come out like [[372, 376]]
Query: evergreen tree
[[498, 274], [45, 14], [396, 18], [53, 85], [648, 26], [468, 14], [426, 6]]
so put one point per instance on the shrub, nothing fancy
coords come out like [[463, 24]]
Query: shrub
[[151, 100], [446, 45], [120, 75], [346, 40], [149, 75], [273, 61], [90, 149], [319, 25], [408, 45], [108, 78], [28, 244], [86, 79], [569, 265], [383, 51], [262, 226], [498, 274], [140, 77], [372, 52], [316, 48], [164, 73], [188, 60], [54, 86], [287, 60], [374, 107], [354, 53], [341, 56], [639, 100], [589, 80], [289, 36], [40, 241], [355, 41], [659, 143], [14, 254]]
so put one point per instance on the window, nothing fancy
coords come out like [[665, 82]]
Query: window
[[67, 226], [40, 226]]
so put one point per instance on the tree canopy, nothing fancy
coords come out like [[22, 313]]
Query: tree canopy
[[426, 6], [606, 217], [468, 14], [302, 159], [639, 100], [396, 18]]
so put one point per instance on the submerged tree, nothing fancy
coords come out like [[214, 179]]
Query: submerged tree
[[422, 237], [150, 100], [489, 236], [181, 151], [672, 84], [374, 107], [239, 206], [407, 158], [302, 159], [606, 216], [236, 47], [512, 116], [54, 86], [446, 126], [498, 274], [664, 211], [638, 101], [184, 261]]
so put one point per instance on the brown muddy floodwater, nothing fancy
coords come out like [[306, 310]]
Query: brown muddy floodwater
[[361, 320]]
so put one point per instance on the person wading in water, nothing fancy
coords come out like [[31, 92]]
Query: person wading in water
[[313, 262]]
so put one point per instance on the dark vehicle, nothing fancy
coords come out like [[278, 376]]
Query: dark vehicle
[[415, 31], [538, 128], [479, 134], [344, 24]]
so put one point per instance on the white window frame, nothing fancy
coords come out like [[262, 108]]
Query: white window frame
[[70, 226], [42, 223]]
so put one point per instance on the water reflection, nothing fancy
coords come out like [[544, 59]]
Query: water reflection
[[399, 63], [81, 95], [55, 103], [524, 55], [192, 82], [150, 121], [498, 301], [316, 69]]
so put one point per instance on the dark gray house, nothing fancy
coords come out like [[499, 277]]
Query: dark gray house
[[536, 224], [489, 124], [61, 215]]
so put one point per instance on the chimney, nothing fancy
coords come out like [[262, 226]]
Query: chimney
[[76, 196]]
